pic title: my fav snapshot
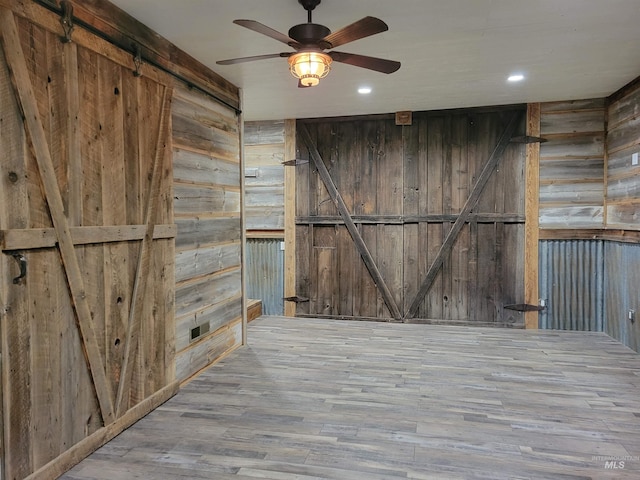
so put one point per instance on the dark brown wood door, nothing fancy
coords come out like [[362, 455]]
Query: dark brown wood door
[[86, 275], [412, 223]]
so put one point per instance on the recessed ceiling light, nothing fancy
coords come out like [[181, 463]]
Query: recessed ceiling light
[[364, 90], [516, 77]]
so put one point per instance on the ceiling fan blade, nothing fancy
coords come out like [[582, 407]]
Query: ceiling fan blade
[[372, 63], [233, 61], [362, 28], [268, 31]]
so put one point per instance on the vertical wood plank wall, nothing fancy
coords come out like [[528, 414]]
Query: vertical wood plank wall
[[404, 186], [572, 164], [127, 156], [107, 137], [208, 244]]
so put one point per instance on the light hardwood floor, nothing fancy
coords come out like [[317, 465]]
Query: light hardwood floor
[[322, 399]]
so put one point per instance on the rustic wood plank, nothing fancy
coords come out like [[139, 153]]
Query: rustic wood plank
[[532, 188], [583, 147], [90, 256], [201, 261], [289, 218], [578, 121], [353, 231], [413, 171], [192, 199], [207, 231], [410, 219], [72, 140], [572, 105], [270, 132], [31, 238], [28, 104], [14, 308], [203, 292], [623, 109], [117, 287], [432, 204], [142, 271], [46, 355], [482, 179], [303, 266]]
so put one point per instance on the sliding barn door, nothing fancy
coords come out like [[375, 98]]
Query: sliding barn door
[[411, 223], [86, 271]]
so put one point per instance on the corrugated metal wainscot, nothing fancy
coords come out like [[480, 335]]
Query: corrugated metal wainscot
[[265, 274], [572, 279], [622, 276]]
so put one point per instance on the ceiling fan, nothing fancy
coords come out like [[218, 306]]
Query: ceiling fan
[[309, 62]]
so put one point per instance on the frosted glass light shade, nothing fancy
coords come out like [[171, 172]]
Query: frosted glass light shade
[[310, 67]]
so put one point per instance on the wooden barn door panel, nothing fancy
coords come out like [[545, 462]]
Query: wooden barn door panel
[[85, 186], [426, 227]]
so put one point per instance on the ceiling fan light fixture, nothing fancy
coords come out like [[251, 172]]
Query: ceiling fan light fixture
[[310, 67]]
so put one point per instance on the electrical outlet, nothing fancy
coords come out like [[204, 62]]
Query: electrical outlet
[[634, 158], [631, 315]]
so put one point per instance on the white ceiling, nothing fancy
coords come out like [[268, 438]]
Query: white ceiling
[[454, 53]]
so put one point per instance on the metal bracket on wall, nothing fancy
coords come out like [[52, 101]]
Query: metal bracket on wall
[[528, 139], [66, 20], [525, 307], [296, 299], [22, 262], [295, 162]]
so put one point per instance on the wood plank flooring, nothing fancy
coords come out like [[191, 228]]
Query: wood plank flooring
[[325, 399]]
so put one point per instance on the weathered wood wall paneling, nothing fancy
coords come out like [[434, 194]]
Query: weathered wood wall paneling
[[404, 187], [208, 245], [264, 152], [623, 142], [572, 164], [102, 130]]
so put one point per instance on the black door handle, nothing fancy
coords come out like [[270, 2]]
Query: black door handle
[[22, 261]]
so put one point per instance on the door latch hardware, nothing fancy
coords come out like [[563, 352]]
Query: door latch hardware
[[22, 261]]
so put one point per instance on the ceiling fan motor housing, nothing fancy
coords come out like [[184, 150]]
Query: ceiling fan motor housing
[[308, 33]]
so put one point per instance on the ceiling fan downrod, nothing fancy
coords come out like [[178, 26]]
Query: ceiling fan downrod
[[309, 5], [309, 33]]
